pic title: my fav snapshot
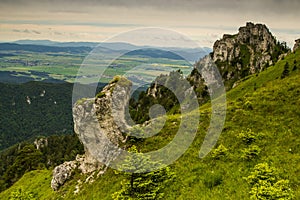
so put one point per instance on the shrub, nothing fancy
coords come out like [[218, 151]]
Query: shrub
[[265, 184], [248, 136], [248, 105], [100, 95], [251, 152], [220, 152]]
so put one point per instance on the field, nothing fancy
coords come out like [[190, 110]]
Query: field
[[64, 66]]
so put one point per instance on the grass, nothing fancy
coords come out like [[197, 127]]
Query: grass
[[36, 183], [65, 67], [264, 103]]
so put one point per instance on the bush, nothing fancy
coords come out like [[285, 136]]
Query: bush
[[220, 152], [248, 105], [251, 152], [265, 184], [248, 136]]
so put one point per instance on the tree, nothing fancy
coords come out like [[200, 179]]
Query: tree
[[266, 184], [147, 185], [286, 71], [295, 65]]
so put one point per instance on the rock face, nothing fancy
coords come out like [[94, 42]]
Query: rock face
[[107, 111], [105, 114], [84, 163], [62, 173], [41, 143], [249, 51], [297, 45]]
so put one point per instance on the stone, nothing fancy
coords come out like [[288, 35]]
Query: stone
[[297, 44], [62, 173], [40, 143], [107, 111], [249, 51]]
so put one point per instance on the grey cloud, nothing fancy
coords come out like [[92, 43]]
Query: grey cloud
[[255, 6], [57, 33], [26, 31], [36, 32]]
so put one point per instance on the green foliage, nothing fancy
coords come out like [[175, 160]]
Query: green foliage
[[167, 90], [21, 195], [219, 152], [265, 184], [24, 157], [48, 114], [248, 136], [248, 105], [280, 48], [138, 132], [285, 71], [100, 95], [212, 179], [138, 185], [251, 152], [33, 185], [122, 81], [275, 114], [245, 55]]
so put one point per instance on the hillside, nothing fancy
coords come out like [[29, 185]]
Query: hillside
[[34, 109], [252, 50], [262, 127]]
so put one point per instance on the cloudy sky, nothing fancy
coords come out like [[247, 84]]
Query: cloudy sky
[[96, 20]]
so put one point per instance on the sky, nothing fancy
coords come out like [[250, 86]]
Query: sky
[[204, 21]]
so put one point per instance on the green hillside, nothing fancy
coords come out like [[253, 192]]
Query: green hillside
[[258, 150]]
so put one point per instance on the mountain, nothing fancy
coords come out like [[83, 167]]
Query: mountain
[[260, 133], [256, 156], [57, 44], [42, 48], [35, 109], [251, 50], [190, 54]]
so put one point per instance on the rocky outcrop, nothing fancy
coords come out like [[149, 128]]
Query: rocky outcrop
[[62, 173], [106, 111], [84, 163], [296, 45], [41, 143], [249, 51]]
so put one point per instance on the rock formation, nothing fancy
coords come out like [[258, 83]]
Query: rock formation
[[297, 44], [251, 50], [107, 111], [41, 143]]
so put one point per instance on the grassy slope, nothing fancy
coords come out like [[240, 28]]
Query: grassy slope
[[265, 103]]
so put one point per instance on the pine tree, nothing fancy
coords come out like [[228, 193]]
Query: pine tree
[[286, 71], [147, 185], [266, 184]]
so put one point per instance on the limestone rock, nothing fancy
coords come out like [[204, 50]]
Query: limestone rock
[[249, 51], [62, 173], [84, 163], [107, 111], [297, 44], [41, 143]]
